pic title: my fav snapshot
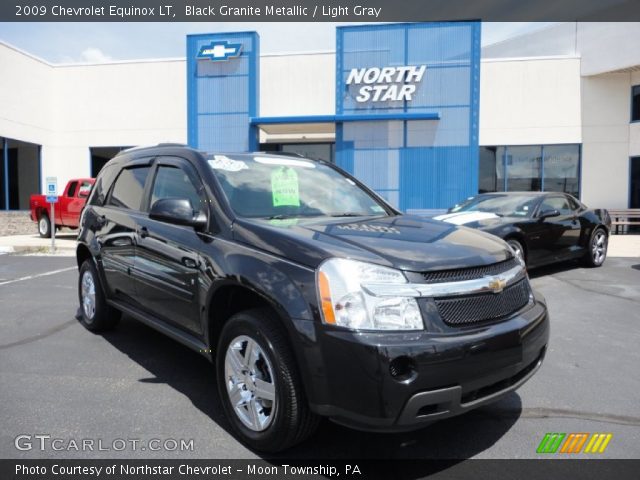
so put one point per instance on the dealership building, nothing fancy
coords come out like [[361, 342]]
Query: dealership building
[[421, 112]]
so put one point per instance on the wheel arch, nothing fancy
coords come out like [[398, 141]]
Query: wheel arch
[[40, 211], [233, 297], [82, 254]]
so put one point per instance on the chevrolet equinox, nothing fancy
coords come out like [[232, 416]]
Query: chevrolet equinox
[[310, 293]]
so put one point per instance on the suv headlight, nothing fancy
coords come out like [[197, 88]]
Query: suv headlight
[[345, 303]]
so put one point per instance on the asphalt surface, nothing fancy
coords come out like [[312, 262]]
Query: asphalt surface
[[58, 379]]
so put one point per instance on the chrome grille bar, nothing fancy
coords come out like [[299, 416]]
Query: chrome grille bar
[[486, 284]]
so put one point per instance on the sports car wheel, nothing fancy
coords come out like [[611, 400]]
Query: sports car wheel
[[517, 248], [598, 244]]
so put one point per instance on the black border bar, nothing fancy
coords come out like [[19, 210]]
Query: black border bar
[[317, 11], [565, 469]]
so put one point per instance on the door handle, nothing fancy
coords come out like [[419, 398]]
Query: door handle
[[122, 242], [143, 232], [189, 262], [101, 220]]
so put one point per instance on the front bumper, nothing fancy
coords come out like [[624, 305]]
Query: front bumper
[[403, 381]]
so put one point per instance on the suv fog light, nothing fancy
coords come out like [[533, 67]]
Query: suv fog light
[[403, 369]]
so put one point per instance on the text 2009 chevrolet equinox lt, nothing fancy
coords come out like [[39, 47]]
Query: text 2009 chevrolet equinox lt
[[313, 297]]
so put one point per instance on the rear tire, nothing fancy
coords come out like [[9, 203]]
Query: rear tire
[[597, 248], [95, 314], [259, 385], [44, 226]]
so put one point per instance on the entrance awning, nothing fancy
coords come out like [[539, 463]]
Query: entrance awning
[[353, 117]]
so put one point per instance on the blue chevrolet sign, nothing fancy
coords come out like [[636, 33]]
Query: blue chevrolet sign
[[219, 51]]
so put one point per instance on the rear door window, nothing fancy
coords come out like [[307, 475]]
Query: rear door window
[[128, 188]]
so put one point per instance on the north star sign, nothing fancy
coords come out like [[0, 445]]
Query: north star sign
[[218, 51], [386, 84]]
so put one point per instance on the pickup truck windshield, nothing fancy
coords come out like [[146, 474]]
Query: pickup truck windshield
[[276, 187]]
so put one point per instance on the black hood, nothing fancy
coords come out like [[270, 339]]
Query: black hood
[[406, 242]]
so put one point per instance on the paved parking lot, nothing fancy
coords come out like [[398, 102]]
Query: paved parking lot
[[57, 378]]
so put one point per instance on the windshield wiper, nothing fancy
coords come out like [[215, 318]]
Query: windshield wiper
[[281, 216], [350, 214]]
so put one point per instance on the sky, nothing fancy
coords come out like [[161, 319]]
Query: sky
[[103, 42]]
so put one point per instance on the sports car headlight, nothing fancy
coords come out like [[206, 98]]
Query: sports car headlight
[[344, 301]]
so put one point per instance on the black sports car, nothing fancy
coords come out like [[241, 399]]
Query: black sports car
[[540, 227]]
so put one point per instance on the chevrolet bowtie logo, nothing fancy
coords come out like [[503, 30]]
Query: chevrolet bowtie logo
[[497, 284], [218, 51]]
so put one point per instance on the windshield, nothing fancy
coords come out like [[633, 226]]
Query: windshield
[[502, 205], [275, 187]]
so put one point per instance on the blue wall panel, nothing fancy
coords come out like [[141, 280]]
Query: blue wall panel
[[415, 164], [222, 95]]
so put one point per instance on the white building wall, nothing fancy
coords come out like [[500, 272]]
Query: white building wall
[[68, 109], [26, 94], [605, 140], [605, 46], [530, 101], [112, 105]]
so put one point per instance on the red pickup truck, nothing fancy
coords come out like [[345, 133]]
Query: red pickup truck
[[67, 210]]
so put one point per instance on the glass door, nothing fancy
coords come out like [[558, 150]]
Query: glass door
[[634, 183]]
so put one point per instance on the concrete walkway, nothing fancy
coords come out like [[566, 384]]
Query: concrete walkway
[[34, 245], [619, 245]]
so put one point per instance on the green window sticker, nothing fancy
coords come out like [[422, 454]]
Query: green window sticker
[[284, 187]]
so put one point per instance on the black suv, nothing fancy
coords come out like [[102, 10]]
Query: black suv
[[313, 297]]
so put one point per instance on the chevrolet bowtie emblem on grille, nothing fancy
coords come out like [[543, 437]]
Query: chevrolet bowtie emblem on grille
[[497, 284]]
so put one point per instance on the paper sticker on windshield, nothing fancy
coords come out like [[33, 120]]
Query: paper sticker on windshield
[[220, 162], [285, 222], [284, 187]]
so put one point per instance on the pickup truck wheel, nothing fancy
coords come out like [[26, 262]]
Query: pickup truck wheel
[[44, 226], [95, 314], [259, 384]]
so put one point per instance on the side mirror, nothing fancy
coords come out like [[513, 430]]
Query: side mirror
[[548, 214], [177, 211], [83, 193]]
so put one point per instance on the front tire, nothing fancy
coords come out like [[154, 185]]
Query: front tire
[[518, 249], [259, 384], [597, 248], [44, 226], [95, 314]]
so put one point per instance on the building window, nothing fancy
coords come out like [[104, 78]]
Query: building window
[[562, 169], [635, 103], [549, 168], [524, 169]]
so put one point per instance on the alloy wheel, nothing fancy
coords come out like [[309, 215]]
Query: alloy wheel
[[88, 292], [599, 247], [517, 250], [250, 383]]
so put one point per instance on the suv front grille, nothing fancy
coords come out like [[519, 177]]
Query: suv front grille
[[469, 273], [485, 307]]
